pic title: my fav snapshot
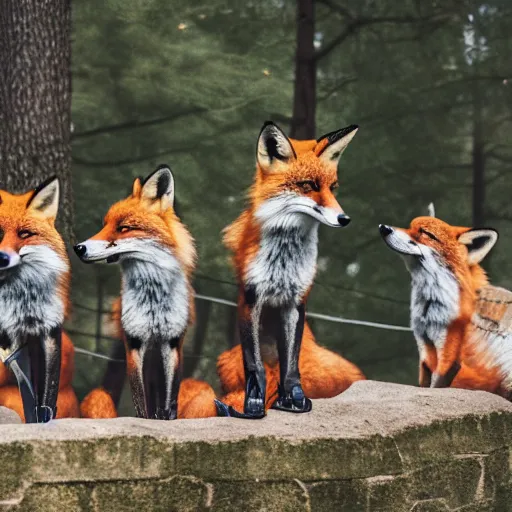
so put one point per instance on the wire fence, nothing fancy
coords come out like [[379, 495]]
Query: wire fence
[[215, 300]]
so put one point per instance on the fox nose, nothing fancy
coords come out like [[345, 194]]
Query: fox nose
[[4, 260], [80, 250], [385, 230], [344, 220]]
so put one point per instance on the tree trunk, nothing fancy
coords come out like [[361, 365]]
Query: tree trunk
[[304, 96], [35, 98]]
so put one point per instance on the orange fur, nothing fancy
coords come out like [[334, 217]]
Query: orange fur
[[98, 404], [475, 372], [324, 374], [67, 402], [15, 217]]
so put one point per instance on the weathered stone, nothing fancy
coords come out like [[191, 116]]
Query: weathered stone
[[8, 417], [56, 498], [376, 448], [180, 494], [282, 496]]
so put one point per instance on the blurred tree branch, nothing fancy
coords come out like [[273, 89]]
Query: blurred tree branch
[[128, 125]]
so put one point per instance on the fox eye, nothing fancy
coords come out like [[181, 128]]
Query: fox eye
[[334, 186], [124, 229], [430, 235], [25, 233], [308, 185]]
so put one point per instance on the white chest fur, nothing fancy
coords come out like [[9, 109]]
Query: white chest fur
[[434, 300], [285, 265], [29, 300], [155, 299]]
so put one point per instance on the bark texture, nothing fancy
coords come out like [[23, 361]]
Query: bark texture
[[304, 96], [35, 98]]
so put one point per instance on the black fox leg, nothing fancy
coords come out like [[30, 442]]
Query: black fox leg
[[255, 379], [40, 364], [425, 378], [445, 381], [47, 406], [167, 381], [291, 396], [134, 369], [20, 366]]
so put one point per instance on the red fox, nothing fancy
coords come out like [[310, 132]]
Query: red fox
[[34, 283], [157, 256], [67, 402], [462, 325], [274, 245]]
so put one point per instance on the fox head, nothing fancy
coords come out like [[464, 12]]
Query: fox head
[[28, 238], [141, 227], [430, 242], [298, 178]]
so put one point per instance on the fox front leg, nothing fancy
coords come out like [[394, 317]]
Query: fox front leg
[[40, 363], [291, 396], [448, 358], [161, 372], [134, 370], [255, 379]]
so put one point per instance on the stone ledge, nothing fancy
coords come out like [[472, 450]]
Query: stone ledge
[[378, 447]]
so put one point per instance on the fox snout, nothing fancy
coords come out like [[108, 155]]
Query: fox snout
[[80, 250], [385, 230], [8, 259], [343, 219]]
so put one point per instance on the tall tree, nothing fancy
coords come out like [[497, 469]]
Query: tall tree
[[304, 96], [35, 97]]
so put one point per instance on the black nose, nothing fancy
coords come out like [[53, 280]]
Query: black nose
[[385, 230], [344, 220], [80, 250], [4, 260]]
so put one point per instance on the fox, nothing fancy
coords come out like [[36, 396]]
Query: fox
[[34, 291], [461, 323], [157, 257], [274, 245], [67, 401]]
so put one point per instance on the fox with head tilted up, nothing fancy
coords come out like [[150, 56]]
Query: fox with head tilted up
[[274, 245], [462, 324]]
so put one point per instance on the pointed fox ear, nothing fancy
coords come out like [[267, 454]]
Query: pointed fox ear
[[478, 242], [45, 199], [331, 146], [137, 187], [274, 148], [158, 189]]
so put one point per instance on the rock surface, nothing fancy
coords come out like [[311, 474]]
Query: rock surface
[[377, 447]]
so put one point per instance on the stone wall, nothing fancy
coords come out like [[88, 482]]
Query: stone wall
[[378, 447]]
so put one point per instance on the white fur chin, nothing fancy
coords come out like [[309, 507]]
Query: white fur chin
[[289, 209], [155, 295], [435, 298], [29, 295]]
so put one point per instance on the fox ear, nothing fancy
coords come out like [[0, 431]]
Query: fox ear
[[137, 187], [274, 148], [478, 242], [45, 199], [158, 188], [331, 146]]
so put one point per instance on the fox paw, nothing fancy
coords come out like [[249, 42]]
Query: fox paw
[[294, 401]]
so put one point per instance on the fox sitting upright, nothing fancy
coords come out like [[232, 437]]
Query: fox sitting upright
[[274, 245], [462, 325], [157, 256], [34, 284]]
